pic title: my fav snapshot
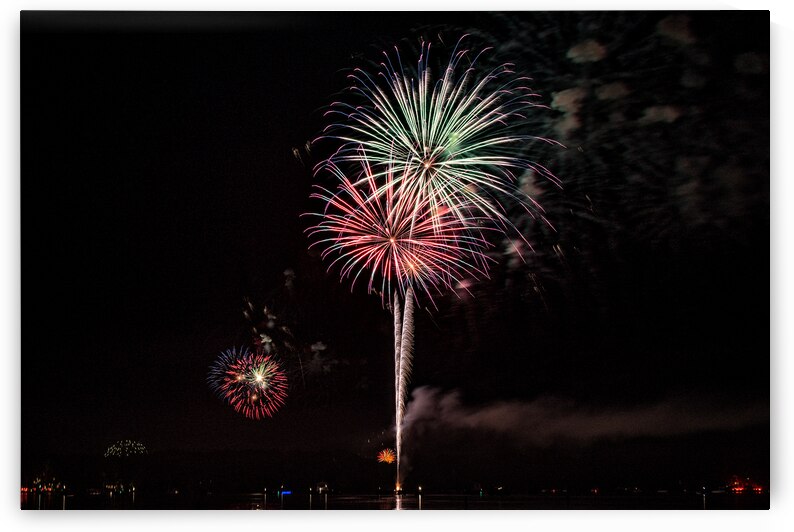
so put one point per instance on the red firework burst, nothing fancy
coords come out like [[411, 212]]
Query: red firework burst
[[253, 383], [386, 456], [394, 233]]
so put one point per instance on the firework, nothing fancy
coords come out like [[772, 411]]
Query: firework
[[253, 383], [405, 242], [401, 238], [439, 167], [386, 456], [455, 142], [125, 448]]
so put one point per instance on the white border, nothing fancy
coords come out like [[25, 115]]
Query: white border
[[782, 51]]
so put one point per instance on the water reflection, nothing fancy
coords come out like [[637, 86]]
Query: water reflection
[[342, 501]]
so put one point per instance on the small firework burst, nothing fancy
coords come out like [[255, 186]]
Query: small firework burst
[[253, 383], [124, 448], [386, 456]]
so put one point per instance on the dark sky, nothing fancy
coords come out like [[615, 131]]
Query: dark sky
[[160, 188]]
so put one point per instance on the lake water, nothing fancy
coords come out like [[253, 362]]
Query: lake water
[[335, 501]]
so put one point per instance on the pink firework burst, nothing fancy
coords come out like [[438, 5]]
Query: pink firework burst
[[396, 237], [253, 383]]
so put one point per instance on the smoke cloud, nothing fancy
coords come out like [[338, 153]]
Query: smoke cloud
[[550, 420]]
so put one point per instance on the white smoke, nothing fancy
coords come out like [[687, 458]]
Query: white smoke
[[548, 420]]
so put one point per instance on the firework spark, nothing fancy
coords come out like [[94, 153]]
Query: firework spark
[[125, 448], [404, 239], [253, 383], [455, 142], [386, 456]]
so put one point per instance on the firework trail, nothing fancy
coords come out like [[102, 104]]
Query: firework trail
[[439, 161], [398, 393], [403, 362], [253, 383]]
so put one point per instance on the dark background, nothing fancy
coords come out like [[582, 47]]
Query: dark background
[[160, 188]]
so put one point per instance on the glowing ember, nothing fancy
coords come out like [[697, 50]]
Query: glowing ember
[[386, 456]]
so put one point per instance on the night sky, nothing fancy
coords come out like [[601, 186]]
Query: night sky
[[161, 192]]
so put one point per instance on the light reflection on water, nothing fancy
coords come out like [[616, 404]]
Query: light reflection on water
[[302, 501]]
